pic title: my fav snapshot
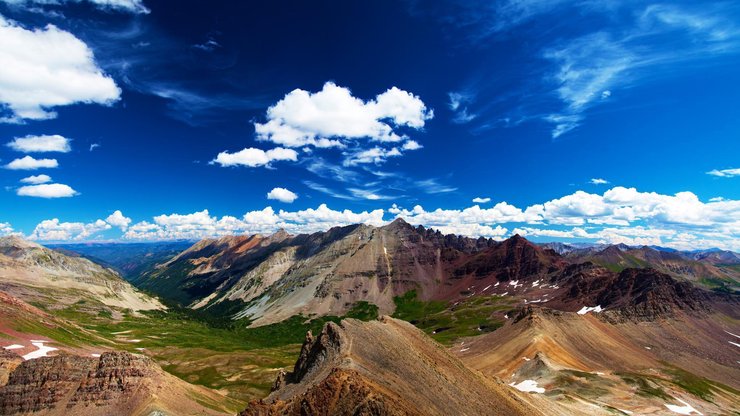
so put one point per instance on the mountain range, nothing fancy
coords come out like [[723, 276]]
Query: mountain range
[[486, 327]]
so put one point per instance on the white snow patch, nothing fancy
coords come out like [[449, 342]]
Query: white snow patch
[[686, 409], [95, 355], [734, 343], [506, 316], [139, 349], [525, 358], [627, 412], [586, 309], [504, 294], [134, 340], [486, 288], [535, 283], [464, 349], [736, 336], [42, 350], [513, 283], [648, 348], [13, 347], [496, 284], [529, 386]]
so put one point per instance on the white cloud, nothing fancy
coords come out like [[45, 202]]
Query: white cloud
[[282, 195], [45, 68], [370, 195], [131, 6], [479, 200], [43, 143], [6, 229], [36, 179], [725, 173], [589, 68], [411, 145], [618, 215], [253, 157], [332, 115], [30, 163], [376, 155], [47, 190], [458, 104], [117, 219], [60, 231], [598, 181], [202, 224]]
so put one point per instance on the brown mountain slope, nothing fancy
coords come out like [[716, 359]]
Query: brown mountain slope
[[384, 367], [34, 273], [588, 364], [117, 383], [280, 276]]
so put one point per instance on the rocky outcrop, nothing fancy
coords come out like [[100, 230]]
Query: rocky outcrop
[[384, 367], [9, 361], [116, 383], [67, 381]]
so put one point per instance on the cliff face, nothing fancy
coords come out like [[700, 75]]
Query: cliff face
[[67, 382], [9, 361], [116, 383]]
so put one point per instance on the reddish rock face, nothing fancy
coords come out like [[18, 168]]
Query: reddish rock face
[[67, 381]]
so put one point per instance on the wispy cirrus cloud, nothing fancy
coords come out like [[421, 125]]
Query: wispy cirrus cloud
[[130, 6], [591, 67], [587, 65], [724, 173]]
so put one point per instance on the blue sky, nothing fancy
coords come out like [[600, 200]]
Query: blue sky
[[568, 120]]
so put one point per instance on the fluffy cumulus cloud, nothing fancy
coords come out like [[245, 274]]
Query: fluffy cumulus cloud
[[43, 143], [117, 219], [480, 200], [724, 173], [202, 224], [619, 215], [54, 230], [253, 157], [47, 190], [46, 68], [282, 195], [598, 181], [130, 6], [332, 116], [6, 229], [31, 163], [36, 179]]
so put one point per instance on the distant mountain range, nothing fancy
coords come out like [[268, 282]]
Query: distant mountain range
[[491, 327]]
